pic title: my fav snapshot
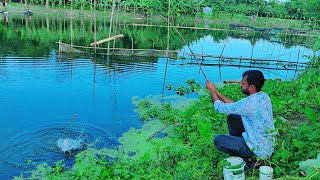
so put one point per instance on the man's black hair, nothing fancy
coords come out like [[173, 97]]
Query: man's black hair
[[255, 77]]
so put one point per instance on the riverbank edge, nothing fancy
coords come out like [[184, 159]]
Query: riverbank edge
[[140, 18]]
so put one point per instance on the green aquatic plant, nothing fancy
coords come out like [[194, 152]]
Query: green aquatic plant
[[190, 86]]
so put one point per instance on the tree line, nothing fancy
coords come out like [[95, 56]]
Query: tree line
[[294, 9]]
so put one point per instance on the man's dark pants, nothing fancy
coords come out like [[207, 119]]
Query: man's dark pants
[[234, 144]]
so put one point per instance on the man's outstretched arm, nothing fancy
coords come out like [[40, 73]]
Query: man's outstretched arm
[[212, 89], [215, 94], [223, 98]]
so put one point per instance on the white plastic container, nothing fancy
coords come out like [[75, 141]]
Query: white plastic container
[[234, 171], [265, 173]]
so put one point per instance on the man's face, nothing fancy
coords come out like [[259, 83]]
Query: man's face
[[245, 86]]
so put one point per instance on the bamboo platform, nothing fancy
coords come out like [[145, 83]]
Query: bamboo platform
[[67, 48], [204, 59]]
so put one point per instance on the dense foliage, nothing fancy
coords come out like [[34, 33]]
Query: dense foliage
[[294, 9], [182, 146]]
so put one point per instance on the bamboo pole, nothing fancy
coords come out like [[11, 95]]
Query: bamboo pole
[[278, 60], [95, 27], [110, 28], [295, 72], [251, 53], [158, 131], [221, 53], [107, 39], [71, 32], [59, 47], [168, 29], [168, 43], [117, 22], [162, 128], [202, 53], [131, 46], [289, 64]]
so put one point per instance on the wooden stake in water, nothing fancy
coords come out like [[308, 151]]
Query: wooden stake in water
[[289, 64], [95, 27], [132, 46], [221, 54], [110, 28], [168, 31], [168, 43], [71, 31], [295, 72]]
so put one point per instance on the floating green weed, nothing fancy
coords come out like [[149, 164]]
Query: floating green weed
[[191, 86]]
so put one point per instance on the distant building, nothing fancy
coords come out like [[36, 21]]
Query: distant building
[[207, 10]]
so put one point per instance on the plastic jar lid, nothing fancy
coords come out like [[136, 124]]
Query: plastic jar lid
[[235, 162], [266, 170]]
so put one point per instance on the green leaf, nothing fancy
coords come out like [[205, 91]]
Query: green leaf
[[275, 101], [205, 129], [146, 156], [298, 144], [106, 173], [277, 171], [317, 44], [285, 154], [311, 166], [191, 111], [310, 114]]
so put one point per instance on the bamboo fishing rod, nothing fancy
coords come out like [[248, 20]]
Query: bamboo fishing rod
[[199, 64], [168, 21]]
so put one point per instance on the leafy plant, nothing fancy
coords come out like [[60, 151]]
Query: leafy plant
[[317, 44], [191, 87], [311, 167]]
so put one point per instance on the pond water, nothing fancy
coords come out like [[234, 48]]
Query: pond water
[[46, 96]]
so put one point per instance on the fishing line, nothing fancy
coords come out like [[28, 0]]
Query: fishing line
[[68, 144], [73, 127]]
